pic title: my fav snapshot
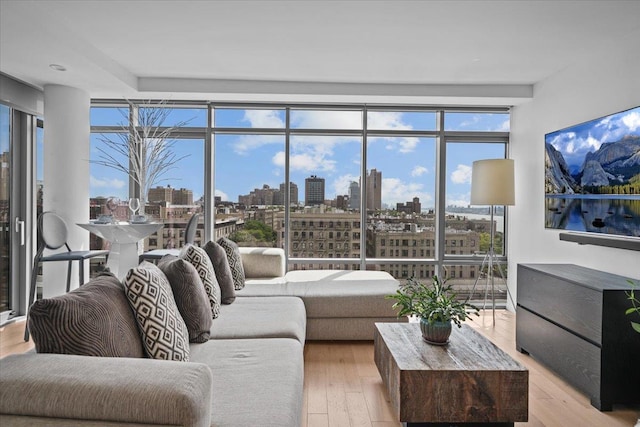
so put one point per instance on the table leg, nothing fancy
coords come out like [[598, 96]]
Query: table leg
[[122, 257]]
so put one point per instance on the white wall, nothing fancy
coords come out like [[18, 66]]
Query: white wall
[[601, 84]]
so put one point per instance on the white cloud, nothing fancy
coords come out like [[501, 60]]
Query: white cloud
[[112, 183], [403, 145], [247, 143], [471, 121], [504, 126], [590, 143], [263, 119], [305, 162], [341, 184], [419, 171], [408, 145], [462, 175], [459, 200], [223, 196], [632, 120], [386, 120], [560, 140], [395, 191]]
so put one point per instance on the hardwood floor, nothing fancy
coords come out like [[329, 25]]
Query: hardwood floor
[[343, 387]]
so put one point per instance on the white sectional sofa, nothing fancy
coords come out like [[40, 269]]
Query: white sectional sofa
[[249, 373]]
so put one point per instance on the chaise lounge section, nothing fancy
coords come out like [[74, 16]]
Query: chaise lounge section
[[340, 304]]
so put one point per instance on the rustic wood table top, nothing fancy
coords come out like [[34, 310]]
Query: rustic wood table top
[[467, 350]]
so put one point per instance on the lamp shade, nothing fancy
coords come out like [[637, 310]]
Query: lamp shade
[[492, 182]]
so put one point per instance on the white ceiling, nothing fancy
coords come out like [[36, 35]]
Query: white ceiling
[[255, 49]]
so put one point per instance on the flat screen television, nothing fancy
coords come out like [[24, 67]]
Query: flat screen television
[[592, 176]]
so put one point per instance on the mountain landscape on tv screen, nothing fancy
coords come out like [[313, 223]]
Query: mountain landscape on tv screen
[[613, 169], [592, 176]]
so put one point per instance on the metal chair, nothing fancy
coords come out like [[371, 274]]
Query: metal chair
[[189, 238], [53, 235]]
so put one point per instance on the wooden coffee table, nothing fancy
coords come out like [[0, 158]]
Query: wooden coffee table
[[470, 381]]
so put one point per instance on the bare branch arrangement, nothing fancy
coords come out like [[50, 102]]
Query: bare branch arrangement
[[142, 150]]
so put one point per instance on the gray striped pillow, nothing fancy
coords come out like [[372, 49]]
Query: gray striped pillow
[[164, 333], [92, 320], [190, 296]]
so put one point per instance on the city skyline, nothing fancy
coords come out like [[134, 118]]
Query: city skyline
[[244, 162]]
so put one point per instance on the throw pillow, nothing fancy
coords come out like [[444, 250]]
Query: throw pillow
[[191, 298], [92, 320], [164, 332], [218, 258], [200, 260], [235, 261]]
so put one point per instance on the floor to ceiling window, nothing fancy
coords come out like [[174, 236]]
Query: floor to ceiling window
[[337, 186]]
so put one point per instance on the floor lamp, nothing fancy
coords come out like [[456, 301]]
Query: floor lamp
[[492, 184]]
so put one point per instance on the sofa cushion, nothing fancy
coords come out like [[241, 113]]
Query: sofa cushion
[[200, 260], [92, 320], [263, 376], [276, 286], [190, 296], [49, 390], [344, 293], [164, 333], [218, 258], [263, 262], [235, 261], [265, 317]]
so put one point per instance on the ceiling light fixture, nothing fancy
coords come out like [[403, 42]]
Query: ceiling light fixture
[[57, 67]]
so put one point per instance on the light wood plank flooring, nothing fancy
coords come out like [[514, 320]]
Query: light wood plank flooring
[[343, 387]]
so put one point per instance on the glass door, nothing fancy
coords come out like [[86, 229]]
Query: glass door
[[5, 215], [18, 135]]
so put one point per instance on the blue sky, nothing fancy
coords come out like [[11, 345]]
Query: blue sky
[[245, 162], [576, 141]]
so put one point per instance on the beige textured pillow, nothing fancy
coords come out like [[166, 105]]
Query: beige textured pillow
[[92, 320], [164, 333]]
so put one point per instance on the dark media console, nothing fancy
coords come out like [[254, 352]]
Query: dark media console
[[572, 319]]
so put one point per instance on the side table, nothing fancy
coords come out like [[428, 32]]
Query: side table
[[124, 238]]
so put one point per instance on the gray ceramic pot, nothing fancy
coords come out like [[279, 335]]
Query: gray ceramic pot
[[436, 333]]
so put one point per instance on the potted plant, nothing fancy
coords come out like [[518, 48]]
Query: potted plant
[[436, 306], [635, 306]]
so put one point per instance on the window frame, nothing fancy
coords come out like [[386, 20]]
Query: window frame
[[442, 138]]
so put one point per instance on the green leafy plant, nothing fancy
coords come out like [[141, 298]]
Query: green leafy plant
[[635, 306], [435, 302]]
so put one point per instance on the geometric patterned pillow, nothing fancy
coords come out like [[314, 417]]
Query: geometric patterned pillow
[[164, 333], [235, 261], [200, 260]]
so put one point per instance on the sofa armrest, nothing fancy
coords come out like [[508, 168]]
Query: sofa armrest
[[263, 262], [105, 389]]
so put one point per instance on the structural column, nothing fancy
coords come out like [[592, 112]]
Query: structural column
[[67, 133]]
